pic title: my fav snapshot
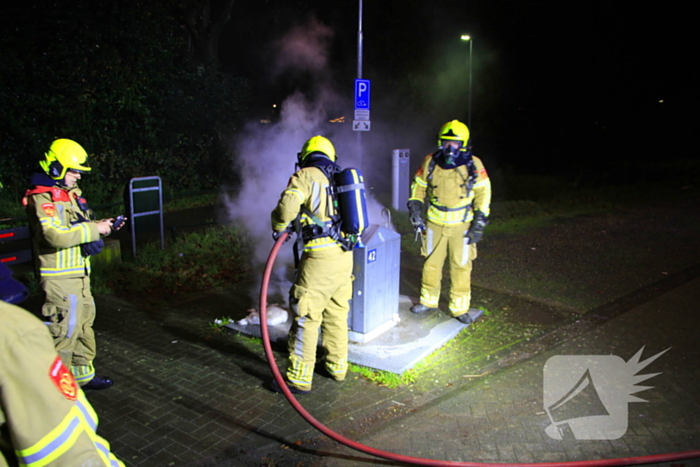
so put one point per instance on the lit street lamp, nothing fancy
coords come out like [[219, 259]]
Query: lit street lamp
[[471, 41]]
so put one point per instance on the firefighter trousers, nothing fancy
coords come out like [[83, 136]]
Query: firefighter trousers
[[442, 242], [69, 310], [319, 300]]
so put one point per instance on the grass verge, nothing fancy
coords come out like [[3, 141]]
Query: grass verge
[[194, 262]]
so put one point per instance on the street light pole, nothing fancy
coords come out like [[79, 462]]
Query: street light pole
[[465, 37], [359, 41], [359, 76]]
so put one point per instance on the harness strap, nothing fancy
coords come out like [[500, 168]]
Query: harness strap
[[312, 216], [321, 229], [446, 209], [298, 246], [354, 186], [468, 183]]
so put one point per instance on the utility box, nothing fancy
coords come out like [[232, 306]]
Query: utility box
[[401, 176], [374, 307]]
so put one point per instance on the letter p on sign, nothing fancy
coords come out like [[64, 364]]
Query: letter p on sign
[[362, 94]]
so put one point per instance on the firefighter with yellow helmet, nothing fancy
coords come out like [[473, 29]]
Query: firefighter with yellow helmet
[[319, 297], [65, 235], [457, 190], [45, 419]]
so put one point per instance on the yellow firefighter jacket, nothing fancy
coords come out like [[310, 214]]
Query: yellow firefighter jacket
[[452, 194], [307, 187], [51, 212], [45, 419]]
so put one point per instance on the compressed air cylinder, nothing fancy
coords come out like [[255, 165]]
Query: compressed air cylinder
[[352, 204]]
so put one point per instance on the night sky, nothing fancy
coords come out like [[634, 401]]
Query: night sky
[[552, 80], [555, 84]]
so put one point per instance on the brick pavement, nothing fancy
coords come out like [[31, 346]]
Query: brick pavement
[[179, 400], [501, 418]]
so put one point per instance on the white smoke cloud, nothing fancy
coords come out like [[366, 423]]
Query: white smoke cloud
[[304, 48], [267, 152], [267, 157]]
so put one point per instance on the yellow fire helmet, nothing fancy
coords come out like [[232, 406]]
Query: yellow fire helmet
[[454, 131], [64, 155], [317, 144]]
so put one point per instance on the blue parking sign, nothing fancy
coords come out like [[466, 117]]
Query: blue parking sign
[[362, 94]]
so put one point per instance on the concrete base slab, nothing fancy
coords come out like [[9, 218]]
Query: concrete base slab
[[365, 337], [409, 339], [412, 339]]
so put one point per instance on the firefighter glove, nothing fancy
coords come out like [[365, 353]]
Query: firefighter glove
[[90, 248], [476, 230], [415, 211], [277, 235]]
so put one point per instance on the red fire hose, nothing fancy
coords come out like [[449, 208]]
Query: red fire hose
[[408, 459]]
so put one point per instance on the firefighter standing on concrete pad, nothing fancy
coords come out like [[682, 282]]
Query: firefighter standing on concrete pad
[[322, 287], [458, 193], [45, 419], [64, 237]]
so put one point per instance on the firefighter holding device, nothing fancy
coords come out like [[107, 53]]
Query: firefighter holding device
[[457, 190], [319, 297], [64, 236]]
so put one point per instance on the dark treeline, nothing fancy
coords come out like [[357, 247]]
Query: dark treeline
[[138, 84], [134, 82]]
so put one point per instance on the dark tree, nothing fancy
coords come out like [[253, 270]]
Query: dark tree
[[115, 79], [204, 20]]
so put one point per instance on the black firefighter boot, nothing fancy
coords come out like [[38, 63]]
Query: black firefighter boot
[[99, 382], [420, 309]]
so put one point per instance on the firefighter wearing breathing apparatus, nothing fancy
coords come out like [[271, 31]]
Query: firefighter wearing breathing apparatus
[[322, 287], [458, 193], [65, 235], [45, 418]]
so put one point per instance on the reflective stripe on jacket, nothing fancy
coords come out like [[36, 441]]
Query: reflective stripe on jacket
[[81, 419], [56, 239], [45, 418]]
